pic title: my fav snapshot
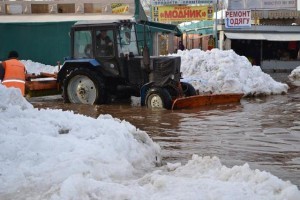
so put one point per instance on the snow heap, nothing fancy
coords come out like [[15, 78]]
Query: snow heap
[[36, 68], [218, 71], [294, 77], [42, 149], [59, 155], [11, 98]]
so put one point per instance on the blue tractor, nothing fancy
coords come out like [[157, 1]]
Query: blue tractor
[[106, 64]]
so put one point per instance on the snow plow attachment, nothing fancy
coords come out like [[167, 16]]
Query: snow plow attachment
[[206, 99], [41, 85]]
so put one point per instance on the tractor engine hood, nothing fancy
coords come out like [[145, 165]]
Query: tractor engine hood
[[163, 69]]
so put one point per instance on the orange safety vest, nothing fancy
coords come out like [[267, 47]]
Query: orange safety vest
[[14, 74]]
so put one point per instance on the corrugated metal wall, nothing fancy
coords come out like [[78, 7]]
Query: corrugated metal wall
[[46, 42]]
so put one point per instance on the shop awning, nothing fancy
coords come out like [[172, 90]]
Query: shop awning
[[142, 19], [263, 36], [244, 36], [198, 27], [168, 28], [282, 36]]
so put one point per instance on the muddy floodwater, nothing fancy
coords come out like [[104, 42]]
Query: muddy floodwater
[[263, 131]]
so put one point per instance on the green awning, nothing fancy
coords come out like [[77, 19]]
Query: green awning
[[160, 27], [142, 19], [139, 13], [200, 27]]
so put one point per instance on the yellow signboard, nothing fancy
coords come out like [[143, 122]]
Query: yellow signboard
[[181, 13], [119, 8]]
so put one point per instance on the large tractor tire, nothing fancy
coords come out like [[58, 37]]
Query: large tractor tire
[[158, 98], [85, 87], [188, 89]]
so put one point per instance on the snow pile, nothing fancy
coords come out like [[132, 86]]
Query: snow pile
[[294, 77], [201, 178], [206, 178], [11, 98], [218, 71], [42, 149], [59, 155], [36, 68]]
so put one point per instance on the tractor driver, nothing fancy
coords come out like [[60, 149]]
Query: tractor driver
[[104, 45]]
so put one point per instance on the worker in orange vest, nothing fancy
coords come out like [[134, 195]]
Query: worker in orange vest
[[14, 72]]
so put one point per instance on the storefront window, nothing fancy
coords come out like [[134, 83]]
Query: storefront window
[[13, 8], [92, 8], [66, 8], [39, 8]]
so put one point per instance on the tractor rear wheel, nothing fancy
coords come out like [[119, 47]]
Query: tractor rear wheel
[[158, 98], [84, 86]]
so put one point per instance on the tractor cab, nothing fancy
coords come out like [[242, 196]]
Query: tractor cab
[[104, 40], [110, 43]]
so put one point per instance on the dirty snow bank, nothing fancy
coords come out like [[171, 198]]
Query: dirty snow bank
[[218, 71], [59, 155], [294, 76]]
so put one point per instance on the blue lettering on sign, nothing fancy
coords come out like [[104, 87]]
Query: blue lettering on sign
[[237, 23]]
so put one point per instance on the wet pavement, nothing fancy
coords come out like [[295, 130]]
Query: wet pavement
[[263, 131]]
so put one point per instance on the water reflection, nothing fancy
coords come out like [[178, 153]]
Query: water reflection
[[264, 132]]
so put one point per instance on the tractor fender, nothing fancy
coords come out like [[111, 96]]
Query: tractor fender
[[71, 64], [144, 90]]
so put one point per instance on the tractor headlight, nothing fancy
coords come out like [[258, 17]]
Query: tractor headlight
[[172, 76]]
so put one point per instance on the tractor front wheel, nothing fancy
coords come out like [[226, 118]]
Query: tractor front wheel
[[158, 98]]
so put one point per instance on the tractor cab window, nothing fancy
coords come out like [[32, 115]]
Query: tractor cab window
[[127, 40], [83, 44], [104, 43]]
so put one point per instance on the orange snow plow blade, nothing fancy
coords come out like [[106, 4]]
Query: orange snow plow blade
[[43, 81], [42, 84], [206, 99]]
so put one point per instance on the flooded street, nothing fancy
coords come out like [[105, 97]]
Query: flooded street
[[263, 132]]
